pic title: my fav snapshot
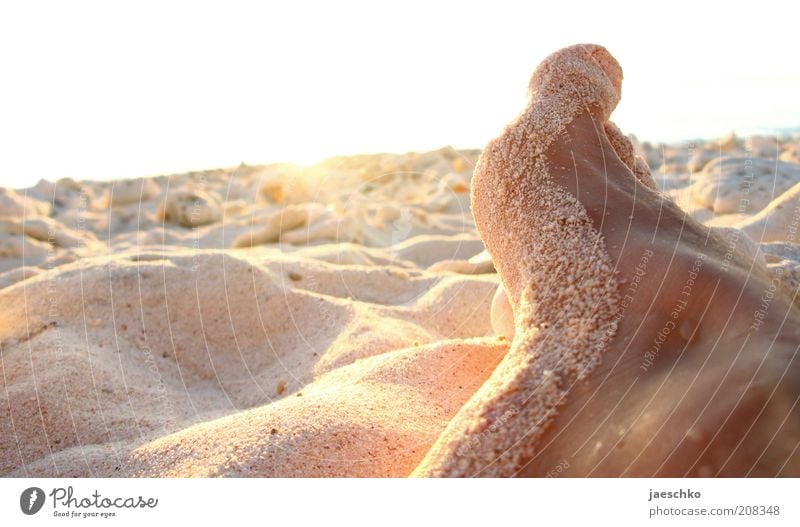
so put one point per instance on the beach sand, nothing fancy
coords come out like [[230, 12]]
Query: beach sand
[[285, 320]]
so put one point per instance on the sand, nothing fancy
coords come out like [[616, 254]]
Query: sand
[[243, 322], [284, 320]]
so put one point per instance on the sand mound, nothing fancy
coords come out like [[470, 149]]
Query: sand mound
[[130, 348], [129, 191], [778, 221], [16, 205], [743, 184]]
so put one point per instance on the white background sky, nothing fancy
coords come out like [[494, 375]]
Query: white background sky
[[100, 90]]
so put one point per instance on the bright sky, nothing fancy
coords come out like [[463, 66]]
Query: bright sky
[[103, 90]]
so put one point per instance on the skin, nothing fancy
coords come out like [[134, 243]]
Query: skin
[[720, 397]]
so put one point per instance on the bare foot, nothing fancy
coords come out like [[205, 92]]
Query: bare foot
[[644, 343]]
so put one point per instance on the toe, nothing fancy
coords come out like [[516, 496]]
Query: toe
[[580, 76], [624, 150], [608, 64]]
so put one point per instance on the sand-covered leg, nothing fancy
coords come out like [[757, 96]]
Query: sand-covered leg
[[553, 264], [642, 341]]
